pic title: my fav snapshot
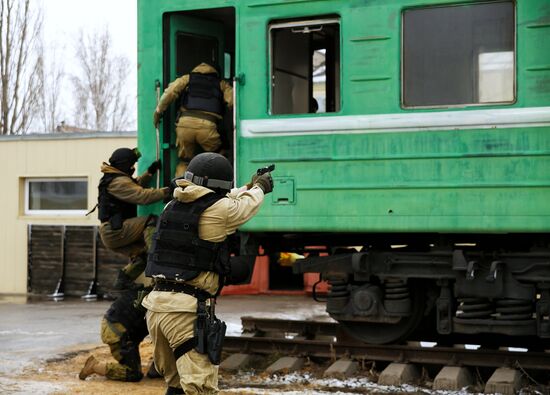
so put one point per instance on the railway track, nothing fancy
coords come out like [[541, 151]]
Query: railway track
[[324, 341]]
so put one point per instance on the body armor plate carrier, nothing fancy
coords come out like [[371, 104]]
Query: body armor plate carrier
[[110, 208], [203, 93], [177, 252]]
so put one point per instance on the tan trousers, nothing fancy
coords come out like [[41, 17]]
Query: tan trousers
[[132, 240], [193, 371], [192, 133], [128, 240]]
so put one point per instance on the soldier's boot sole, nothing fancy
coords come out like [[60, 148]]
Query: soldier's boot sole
[[88, 368]]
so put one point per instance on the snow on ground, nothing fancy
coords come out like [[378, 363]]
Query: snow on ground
[[308, 384], [13, 387]]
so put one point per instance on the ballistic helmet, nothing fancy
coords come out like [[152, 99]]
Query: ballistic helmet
[[124, 159], [212, 171]]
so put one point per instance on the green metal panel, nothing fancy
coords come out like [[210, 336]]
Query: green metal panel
[[471, 179]]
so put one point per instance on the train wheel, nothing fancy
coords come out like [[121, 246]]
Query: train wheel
[[383, 333]]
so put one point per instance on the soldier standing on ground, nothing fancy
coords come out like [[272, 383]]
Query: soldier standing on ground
[[189, 260], [121, 229], [202, 96]]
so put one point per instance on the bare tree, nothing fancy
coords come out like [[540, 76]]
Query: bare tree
[[51, 77], [101, 93], [20, 27]]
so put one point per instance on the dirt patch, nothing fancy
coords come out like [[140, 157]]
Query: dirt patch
[[62, 372], [60, 376]]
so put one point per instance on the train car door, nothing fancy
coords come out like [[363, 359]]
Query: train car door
[[189, 40]]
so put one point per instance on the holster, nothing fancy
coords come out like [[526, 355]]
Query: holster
[[210, 333]]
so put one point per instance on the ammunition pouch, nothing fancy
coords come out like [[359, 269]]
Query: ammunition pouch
[[241, 269], [116, 221]]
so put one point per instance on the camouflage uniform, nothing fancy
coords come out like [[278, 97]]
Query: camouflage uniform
[[134, 237], [171, 315], [123, 328], [195, 128]]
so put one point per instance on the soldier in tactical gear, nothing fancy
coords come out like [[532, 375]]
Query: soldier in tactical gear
[[203, 96], [123, 328], [121, 229], [189, 260]]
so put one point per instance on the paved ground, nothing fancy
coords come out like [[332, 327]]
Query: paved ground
[[33, 332]]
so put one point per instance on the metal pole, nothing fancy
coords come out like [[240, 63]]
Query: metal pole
[[92, 289], [59, 292], [157, 89]]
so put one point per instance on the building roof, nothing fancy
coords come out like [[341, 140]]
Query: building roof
[[67, 136]]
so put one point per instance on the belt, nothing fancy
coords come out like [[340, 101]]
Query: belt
[[171, 286], [200, 115]]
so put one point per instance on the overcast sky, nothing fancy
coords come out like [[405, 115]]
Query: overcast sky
[[64, 18]]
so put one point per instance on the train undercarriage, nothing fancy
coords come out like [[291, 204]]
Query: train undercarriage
[[486, 289]]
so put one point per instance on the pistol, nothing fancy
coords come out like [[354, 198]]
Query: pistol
[[263, 170]]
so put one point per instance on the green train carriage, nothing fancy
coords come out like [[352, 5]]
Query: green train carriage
[[416, 131]]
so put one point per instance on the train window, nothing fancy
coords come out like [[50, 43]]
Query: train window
[[459, 55], [305, 66]]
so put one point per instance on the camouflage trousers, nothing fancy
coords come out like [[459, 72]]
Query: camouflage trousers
[[126, 352]]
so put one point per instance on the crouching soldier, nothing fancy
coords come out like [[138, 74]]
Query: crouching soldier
[[123, 328], [121, 229], [189, 260]]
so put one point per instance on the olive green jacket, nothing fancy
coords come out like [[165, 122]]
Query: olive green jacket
[[125, 189]]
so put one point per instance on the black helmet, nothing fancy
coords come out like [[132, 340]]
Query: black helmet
[[211, 170], [124, 158]]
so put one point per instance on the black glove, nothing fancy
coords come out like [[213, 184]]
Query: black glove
[[154, 167], [265, 182], [252, 181], [173, 186]]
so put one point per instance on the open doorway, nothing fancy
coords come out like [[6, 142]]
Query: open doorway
[[191, 38]]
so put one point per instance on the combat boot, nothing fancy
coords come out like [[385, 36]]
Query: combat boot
[[88, 368]]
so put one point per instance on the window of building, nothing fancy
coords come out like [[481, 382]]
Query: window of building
[[459, 55], [56, 196], [305, 66]]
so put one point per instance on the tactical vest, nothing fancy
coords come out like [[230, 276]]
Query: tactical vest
[[203, 93], [126, 311], [177, 252], [109, 206]]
